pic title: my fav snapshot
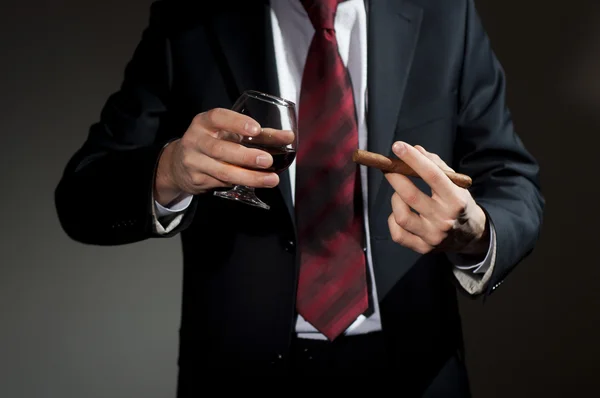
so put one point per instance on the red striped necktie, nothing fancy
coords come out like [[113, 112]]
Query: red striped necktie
[[332, 287]]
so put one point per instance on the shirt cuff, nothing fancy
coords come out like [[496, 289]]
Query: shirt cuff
[[474, 278], [178, 207], [166, 219]]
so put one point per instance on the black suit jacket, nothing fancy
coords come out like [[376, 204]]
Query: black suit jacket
[[433, 80]]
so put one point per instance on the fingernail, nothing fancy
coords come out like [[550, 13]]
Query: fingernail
[[271, 180], [399, 147], [263, 161], [252, 128]]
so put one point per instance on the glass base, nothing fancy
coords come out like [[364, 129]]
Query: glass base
[[243, 194]]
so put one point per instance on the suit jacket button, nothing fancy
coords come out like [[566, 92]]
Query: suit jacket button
[[276, 359], [289, 246]]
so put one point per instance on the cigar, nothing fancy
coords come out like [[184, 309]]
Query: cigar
[[389, 165]]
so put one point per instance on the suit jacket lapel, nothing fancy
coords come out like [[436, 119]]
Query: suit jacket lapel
[[246, 42], [393, 30], [244, 38]]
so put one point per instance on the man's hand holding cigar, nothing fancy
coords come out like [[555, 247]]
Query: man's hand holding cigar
[[448, 221]]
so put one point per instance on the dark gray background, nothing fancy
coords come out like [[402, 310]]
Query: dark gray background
[[82, 321]]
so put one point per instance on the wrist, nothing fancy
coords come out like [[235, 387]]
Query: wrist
[[166, 190], [481, 234]]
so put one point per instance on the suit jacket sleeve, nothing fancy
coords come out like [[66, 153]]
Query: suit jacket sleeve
[[105, 194], [505, 175]]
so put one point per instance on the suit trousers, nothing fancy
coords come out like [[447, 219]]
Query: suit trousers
[[354, 360], [363, 357]]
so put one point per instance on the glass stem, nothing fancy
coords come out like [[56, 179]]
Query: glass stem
[[244, 189]]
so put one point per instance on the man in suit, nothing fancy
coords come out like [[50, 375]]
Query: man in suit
[[355, 271]]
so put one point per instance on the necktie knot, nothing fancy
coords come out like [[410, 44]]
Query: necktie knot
[[321, 12]]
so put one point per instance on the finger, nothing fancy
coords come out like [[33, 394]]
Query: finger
[[435, 158], [226, 135], [406, 239], [426, 169], [411, 195], [273, 137], [235, 175], [431, 230], [406, 218], [202, 182], [234, 154], [219, 119]]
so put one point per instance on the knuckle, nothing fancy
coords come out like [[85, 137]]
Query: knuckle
[[218, 150], [259, 180], [222, 175], [187, 160], [402, 219], [217, 114], [211, 116], [187, 141], [412, 199], [197, 120], [434, 176], [423, 249], [398, 236], [447, 225], [245, 156], [197, 179], [211, 113], [435, 241], [209, 147]]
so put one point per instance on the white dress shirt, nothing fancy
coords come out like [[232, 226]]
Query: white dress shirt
[[292, 34]]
